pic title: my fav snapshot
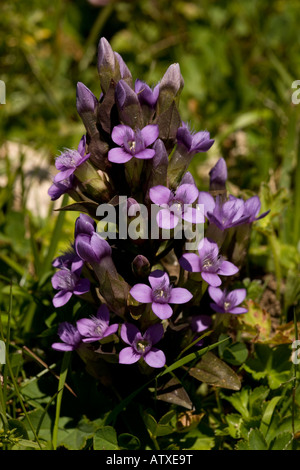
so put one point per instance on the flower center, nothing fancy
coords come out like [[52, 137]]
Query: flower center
[[226, 305], [142, 345], [161, 294], [132, 145]]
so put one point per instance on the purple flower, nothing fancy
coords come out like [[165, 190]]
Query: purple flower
[[69, 335], [193, 142], [226, 302], [176, 205], [69, 161], [67, 260], [251, 209], [64, 186], [89, 245], [84, 224], [142, 345], [92, 248], [145, 94], [218, 175], [160, 294], [132, 143], [68, 282], [97, 327], [223, 214], [209, 263]]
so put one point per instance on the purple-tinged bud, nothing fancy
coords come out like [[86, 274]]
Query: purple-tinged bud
[[125, 73], [218, 175], [86, 101], [129, 108], [141, 266], [106, 64], [170, 87], [86, 104]]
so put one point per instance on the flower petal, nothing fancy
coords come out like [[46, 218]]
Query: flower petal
[[155, 358], [166, 219], [120, 133], [62, 347], [187, 193], [160, 195], [236, 296], [154, 333], [82, 287], [146, 154], [238, 310], [216, 294], [217, 308], [61, 298], [110, 330], [157, 278], [103, 313], [193, 215], [179, 295], [128, 356], [118, 155], [141, 293], [84, 325], [211, 279], [129, 332], [190, 262], [227, 269], [162, 311], [207, 200], [150, 134], [200, 323]]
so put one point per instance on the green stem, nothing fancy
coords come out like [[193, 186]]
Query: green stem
[[275, 252], [61, 384], [297, 200], [295, 376]]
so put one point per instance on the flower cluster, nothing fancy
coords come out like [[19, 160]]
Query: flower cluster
[[143, 290]]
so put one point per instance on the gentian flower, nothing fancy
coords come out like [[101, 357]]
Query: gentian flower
[[209, 263], [70, 336], [69, 161], [193, 142], [145, 94], [68, 282], [226, 302], [89, 245], [97, 327], [176, 205], [86, 101], [223, 214], [59, 188], [67, 260], [142, 345], [251, 209], [132, 143], [160, 294]]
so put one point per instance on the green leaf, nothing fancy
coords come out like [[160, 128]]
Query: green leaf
[[282, 441], [268, 413], [173, 392], [129, 442], [20, 428], [105, 439], [257, 440], [271, 363], [215, 372], [236, 354]]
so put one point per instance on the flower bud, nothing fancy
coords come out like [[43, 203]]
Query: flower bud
[[106, 64], [218, 175], [141, 266]]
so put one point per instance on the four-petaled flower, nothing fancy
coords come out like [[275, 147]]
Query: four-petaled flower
[[176, 205], [223, 214], [141, 345], [160, 294], [132, 143], [70, 337], [68, 282], [209, 263], [97, 327], [227, 302], [68, 162], [193, 142]]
